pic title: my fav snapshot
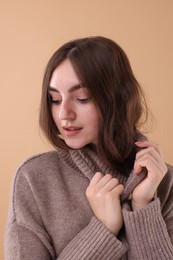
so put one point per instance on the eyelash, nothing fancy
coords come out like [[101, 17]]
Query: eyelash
[[83, 100], [80, 100], [56, 102]]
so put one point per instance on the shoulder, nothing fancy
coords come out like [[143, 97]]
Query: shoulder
[[44, 168], [39, 160], [28, 183], [37, 167], [34, 175]]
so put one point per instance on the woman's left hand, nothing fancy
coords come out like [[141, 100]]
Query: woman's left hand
[[150, 157]]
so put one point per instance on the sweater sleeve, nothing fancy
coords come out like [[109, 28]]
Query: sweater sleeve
[[27, 238], [94, 242], [147, 233]]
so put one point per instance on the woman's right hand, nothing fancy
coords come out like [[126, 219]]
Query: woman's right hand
[[103, 195]]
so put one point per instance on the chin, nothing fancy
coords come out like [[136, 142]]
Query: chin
[[75, 145]]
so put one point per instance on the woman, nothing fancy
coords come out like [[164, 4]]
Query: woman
[[105, 192]]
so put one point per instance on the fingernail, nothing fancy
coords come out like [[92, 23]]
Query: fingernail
[[138, 142], [137, 170]]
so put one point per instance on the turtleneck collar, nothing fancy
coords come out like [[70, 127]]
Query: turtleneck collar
[[87, 163]]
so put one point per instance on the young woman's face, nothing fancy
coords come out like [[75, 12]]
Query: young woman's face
[[73, 110]]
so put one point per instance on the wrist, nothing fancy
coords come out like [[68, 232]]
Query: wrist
[[137, 205], [113, 228]]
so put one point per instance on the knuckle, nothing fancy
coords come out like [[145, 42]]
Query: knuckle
[[115, 181], [121, 187], [89, 192], [119, 190], [108, 176], [98, 174]]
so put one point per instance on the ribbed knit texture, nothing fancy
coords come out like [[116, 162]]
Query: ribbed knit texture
[[147, 234], [99, 244], [50, 218]]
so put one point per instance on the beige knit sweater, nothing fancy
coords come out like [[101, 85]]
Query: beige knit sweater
[[50, 217]]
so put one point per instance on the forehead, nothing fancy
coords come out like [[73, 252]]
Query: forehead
[[64, 74]]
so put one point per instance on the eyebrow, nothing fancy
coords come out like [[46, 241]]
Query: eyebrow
[[70, 90]]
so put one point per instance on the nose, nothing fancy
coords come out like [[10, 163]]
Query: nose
[[66, 112]]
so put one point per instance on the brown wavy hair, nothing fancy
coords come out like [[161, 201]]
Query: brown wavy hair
[[104, 69]]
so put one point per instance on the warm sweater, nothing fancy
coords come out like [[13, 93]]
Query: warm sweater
[[50, 217]]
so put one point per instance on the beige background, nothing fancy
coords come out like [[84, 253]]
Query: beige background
[[30, 31]]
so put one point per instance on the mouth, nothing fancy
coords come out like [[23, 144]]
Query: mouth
[[71, 130]]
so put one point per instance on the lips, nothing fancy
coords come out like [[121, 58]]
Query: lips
[[71, 130]]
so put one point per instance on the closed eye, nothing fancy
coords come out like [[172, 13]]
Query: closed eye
[[83, 100], [57, 102], [54, 101]]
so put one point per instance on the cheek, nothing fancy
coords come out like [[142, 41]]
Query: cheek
[[55, 114]]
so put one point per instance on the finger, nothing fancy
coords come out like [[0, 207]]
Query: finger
[[150, 163], [96, 178], [144, 162], [110, 185], [137, 168], [118, 190], [106, 178], [150, 150], [147, 143]]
